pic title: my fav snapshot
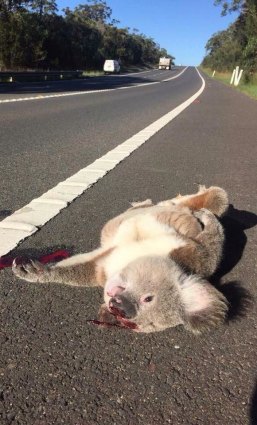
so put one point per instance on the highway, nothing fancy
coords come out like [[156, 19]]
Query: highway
[[55, 368]]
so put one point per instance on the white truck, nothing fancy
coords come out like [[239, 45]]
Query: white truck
[[165, 63]]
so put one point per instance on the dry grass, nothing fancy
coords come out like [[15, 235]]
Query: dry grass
[[249, 88]]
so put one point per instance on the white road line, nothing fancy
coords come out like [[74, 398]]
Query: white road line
[[27, 220], [50, 96], [175, 76], [132, 73]]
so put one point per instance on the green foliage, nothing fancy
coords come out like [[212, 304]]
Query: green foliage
[[17, 44], [238, 44], [43, 7], [230, 6], [34, 35], [224, 50], [8, 6]]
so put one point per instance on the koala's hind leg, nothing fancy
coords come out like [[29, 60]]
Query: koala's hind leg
[[211, 240], [212, 230], [213, 198], [202, 254], [79, 270]]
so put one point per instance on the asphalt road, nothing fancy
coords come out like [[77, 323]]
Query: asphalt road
[[55, 367], [25, 89], [45, 141]]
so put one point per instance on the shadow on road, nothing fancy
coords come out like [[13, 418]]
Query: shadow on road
[[4, 213], [235, 223], [253, 407], [86, 84]]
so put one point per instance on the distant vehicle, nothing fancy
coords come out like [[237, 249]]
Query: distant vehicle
[[165, 63], [111, 66]]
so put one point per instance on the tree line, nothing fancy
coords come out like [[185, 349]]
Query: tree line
[[237, 45], [35, 35]]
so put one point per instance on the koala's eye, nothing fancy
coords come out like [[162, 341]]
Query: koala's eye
[[148, 299]]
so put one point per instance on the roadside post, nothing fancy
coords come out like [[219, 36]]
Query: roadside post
[[236, 76]]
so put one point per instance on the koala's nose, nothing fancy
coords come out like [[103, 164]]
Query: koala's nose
[[125, 307], [116, 302]]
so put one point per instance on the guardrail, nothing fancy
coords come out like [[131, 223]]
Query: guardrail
[[19, 76]]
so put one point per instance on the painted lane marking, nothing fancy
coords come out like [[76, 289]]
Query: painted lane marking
[[175, 76], [50, 96], [27, 220], [132, 73]]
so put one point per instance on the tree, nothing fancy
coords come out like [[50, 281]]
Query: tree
[[21, 41], [34, 35], [237, 45], [8, 6], [43, 7], [223, 50], [11, 22], [97, 12], [230, 6]]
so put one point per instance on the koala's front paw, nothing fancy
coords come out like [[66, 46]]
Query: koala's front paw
[[32, 271], [204, 216]]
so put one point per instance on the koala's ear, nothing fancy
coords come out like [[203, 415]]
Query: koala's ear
[[204, 306]]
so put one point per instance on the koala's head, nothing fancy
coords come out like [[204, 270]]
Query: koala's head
[[153, 293]]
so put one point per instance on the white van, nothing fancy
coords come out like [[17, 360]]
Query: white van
[[111, 66]]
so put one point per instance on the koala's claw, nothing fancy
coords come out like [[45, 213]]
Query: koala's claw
[[31, 271]]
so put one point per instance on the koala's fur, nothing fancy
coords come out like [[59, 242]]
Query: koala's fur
[[153, 264]]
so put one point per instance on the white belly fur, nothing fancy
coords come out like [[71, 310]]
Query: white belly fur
[[141, 236]]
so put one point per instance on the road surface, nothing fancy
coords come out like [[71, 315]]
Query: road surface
[[55, 367]]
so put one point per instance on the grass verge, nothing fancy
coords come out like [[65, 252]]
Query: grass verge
[[92, 73], [249, 88]]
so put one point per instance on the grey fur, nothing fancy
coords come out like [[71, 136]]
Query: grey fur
[[155, 291]]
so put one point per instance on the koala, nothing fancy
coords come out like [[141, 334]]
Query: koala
[[153, 262]]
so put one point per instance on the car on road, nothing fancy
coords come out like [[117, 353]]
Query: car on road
[[111, 66]]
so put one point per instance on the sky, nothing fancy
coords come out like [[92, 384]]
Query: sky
[[183, 27]]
